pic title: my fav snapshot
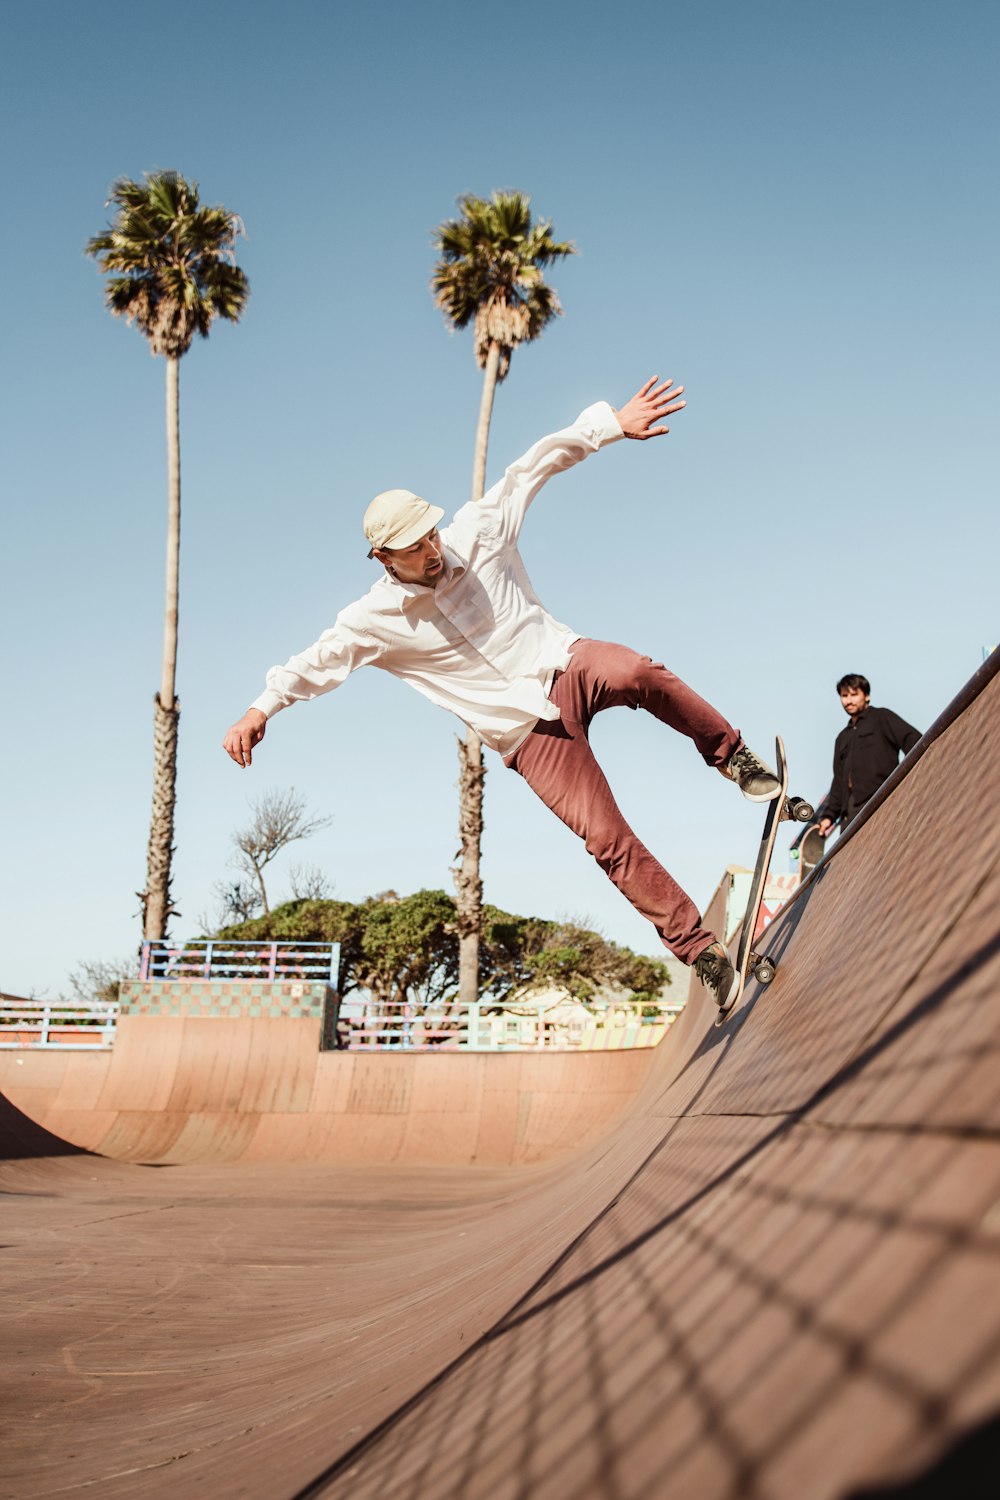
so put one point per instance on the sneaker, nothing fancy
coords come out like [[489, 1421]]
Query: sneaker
[[755, 780], [714, 969]]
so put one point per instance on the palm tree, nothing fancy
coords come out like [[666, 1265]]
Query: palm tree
[[174, 272], [489, 274]]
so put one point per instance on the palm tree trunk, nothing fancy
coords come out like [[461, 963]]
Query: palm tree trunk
[[485, 416], [156, 901], [472, 771], [468, 885]]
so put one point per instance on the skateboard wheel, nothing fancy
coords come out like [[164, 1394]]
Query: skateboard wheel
[[801, 810], [763, 971]]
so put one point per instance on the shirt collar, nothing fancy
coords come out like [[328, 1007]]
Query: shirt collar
[[454, 567]]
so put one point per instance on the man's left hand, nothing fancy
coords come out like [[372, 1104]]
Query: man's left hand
[[650, 404]]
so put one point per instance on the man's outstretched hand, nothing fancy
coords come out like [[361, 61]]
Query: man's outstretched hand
[[240, 740], [650, 404]]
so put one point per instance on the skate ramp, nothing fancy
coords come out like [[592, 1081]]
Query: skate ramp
[[775, 1273], [180, 1089], [21, 1136]]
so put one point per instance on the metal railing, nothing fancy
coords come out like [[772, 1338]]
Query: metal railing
[[55, 1023], [216, 958], [493, 1028], [362, 1024]]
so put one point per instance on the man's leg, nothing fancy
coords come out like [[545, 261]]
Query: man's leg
[[608, 676], [604, 675], [558, 764]]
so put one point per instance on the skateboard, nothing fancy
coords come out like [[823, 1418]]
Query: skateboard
[[811, 847], [779, 810]]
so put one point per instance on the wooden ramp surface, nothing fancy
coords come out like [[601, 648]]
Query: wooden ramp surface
[[757, 1263]]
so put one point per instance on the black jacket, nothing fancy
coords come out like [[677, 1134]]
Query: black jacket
[[866, 752]]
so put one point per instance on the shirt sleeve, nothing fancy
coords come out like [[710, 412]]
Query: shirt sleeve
[[319, 669], [594, 428], [903, 735], [836, 804]]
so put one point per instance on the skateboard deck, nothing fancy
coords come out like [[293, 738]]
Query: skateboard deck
[[778, 811], [810, 850]]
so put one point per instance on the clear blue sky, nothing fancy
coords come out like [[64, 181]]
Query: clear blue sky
[[790, 208]]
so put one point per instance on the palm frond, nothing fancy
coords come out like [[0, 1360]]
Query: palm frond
[[173, 261], [489, 272]]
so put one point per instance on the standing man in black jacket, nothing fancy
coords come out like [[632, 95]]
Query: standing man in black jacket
[[865, 753]]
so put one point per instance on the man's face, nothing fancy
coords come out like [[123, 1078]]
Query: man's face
[[420, 563], [854, 700]]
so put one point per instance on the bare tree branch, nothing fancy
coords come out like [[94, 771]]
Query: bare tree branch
[[279, 819], [98, 981], [310, 883]]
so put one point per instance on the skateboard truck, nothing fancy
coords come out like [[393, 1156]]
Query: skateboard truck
[[762, 968], [798, 810]]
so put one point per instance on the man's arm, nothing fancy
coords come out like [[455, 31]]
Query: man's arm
[[904, 735], [835, 804], [317, 670], [244, 735], [640, 418]]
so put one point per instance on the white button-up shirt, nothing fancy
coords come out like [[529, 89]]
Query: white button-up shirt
[[479, 643]]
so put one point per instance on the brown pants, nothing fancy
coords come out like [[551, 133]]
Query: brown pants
[[558, 764]]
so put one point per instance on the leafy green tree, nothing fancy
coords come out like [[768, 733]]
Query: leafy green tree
[[526, 952], [406, 950], [490, 274], [171, 271], [307, 921]]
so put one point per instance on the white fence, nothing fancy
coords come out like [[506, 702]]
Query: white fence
[[364, 1026], [55, 1023], [498, 1028]]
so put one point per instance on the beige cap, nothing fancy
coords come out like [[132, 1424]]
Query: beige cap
[[398, 518]]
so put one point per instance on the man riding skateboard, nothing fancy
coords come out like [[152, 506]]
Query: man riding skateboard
[[454, 615]]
